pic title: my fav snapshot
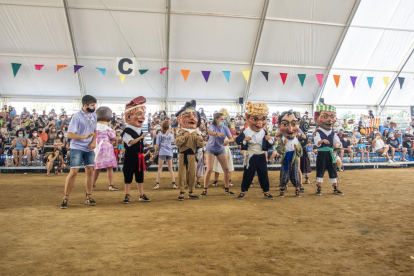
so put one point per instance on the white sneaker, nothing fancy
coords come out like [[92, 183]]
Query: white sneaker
[[390, 161], [156, 187]]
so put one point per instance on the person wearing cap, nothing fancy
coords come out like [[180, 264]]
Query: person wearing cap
[[133, 137], [326, 140]]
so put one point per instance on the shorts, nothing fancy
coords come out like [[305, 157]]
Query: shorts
[[270, 152], [377, 151], [77, 157], [165, 157], [216, 153], [129, 175], [121, 147]]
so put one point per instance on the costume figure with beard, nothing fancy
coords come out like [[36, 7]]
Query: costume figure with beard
[[290, 151], [133, 138], [326, 140], [255, 140], [188, 140]]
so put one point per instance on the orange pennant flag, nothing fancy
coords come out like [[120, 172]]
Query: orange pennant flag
[[60, 67], [336, 78], [185, 74]]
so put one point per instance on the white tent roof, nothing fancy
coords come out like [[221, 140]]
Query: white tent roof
[[276, 36]]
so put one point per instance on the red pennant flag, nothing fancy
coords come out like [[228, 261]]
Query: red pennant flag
[[283, 76], [38, 66]]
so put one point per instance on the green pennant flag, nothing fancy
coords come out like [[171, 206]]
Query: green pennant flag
[[143, 71], [302, 78], [16, 67]]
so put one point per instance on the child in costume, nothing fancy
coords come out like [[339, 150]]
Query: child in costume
[[255, 141], [290, 150], [133, 137], [326, 140], [104, 151], [187, 141]]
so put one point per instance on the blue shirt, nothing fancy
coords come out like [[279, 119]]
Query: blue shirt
[[215, 143], [59, 123], [82, 124], [164, 142]]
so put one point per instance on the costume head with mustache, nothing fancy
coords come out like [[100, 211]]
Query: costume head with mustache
[[135, 112], [188, 117], [289, 122], [325, 116], [256, 114]]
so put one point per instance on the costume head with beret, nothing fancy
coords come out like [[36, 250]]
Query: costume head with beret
[[325, 116], [289, 122], [135, 112], [188, 117], [256, 114]]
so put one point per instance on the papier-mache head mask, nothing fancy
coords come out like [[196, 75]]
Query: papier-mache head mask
[[325, 116], [289, 122], [256, 114], [188, 117], [135, 112]]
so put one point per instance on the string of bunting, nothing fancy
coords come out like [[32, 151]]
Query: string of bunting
[[206, 75]]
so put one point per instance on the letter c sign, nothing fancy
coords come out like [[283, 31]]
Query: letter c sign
[[125, 66]]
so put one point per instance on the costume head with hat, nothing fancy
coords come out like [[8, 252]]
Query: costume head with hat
[[188, 117], [135, 112], [256, 114], [325, 116]]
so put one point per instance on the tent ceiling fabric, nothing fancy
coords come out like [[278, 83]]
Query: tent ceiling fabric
[[298, 37]]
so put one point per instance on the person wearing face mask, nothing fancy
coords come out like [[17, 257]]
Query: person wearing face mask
[[52, 134], [27, 113], [371, 137], [347, 146], [42, 135], [395, 146], [380, 148], [357, 134], [35, 115], [33, 145], [27, 132], [18, 145], [60, 142], [353, 139]]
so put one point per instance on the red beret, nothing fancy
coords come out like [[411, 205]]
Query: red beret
[[135, 103]]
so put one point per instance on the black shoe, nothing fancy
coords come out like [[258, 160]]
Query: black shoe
[[144, 198], [302, 190], [126, 200], [64, 204], [319, 191], [282, 192], [181, 197], [228, 192], [214, 184], [297, 194], [267, 196], [89, 200], [337, 192], [204, 193], [241, 196], [192, 196]]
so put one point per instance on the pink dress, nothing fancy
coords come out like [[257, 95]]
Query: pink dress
[[104, 151]]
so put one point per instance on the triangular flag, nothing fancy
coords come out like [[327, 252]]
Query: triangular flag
[[143, 71], [103, 70], [401, 81], [122, 78], [15, 67], [227, 75], [283, 76], [320, 78], [38, 66], [302, 78], [266, 75], [370, 80], [336, 78], [185, 74], [163, 69], [246, 74], [77, 67], [206, 75], [353, 80], [60, 67], [386, 79]]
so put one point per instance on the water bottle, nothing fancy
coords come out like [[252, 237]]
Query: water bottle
[[24, 161]]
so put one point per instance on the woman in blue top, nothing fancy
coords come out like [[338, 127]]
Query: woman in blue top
[[215, 148], [18, 145]]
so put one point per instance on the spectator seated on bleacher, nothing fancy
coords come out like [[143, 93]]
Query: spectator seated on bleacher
[[346, 146], [4, 132], [362, 149], [395, 146], [380, 148], [407, 142], [34, 144], [371, 137], [60, 142], [18, 145], [41, 134]]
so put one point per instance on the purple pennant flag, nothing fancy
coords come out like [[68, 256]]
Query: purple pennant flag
[[77, 67], [353, 79], [206, 75]]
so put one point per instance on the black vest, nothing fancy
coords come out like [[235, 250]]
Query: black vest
[[131, 152], [330, 138]]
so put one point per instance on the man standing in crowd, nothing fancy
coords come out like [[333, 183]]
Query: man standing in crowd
[[82, 132]]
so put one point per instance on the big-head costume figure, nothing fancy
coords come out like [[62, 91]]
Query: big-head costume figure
[[326, 140], [188, 140], [290, 150], [133, 137], [255, 140]]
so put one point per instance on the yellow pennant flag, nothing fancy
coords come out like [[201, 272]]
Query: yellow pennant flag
[[122, 78], [246, 74], [386, 79]]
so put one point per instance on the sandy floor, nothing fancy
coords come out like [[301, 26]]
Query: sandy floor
[[368, 231]]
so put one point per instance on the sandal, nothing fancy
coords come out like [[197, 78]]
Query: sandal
[[113, 188], [126, 200], [241, 196], [64, 204], [89, 200], [204, 192], [282, 192], [214, 184], [181, 196], [267, 195], [228, 192], [191, 195]]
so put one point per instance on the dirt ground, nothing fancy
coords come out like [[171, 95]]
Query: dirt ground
[[368, 231]]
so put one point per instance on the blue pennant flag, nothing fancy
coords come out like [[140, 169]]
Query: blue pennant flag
[[103, 70]]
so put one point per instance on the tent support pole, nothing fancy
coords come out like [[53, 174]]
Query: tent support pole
[[168, 3]]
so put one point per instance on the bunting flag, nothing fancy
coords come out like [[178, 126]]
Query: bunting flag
[[336, 78], [266, 75], [163, 69], [302, 78], [246, 74], [401, 81], [60, 67], [122, 78], [15, 67], [283, 76], [386, 79], [353, 79], [103, 70], [185, 74], [370, 80], [38, 66], [206, 75], [227, 75], [143, 71], [320, 78], [77, 67]]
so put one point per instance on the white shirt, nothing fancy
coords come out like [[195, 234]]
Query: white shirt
[[317, 137], [257, 137], [379, 144], [290, 146], [102, 127], [127, 138]]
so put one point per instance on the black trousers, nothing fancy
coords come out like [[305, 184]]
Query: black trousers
[[323, 163], [257, 163]]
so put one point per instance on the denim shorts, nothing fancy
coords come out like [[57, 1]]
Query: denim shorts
[[216, 153], [80, 158], [165, 157]]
